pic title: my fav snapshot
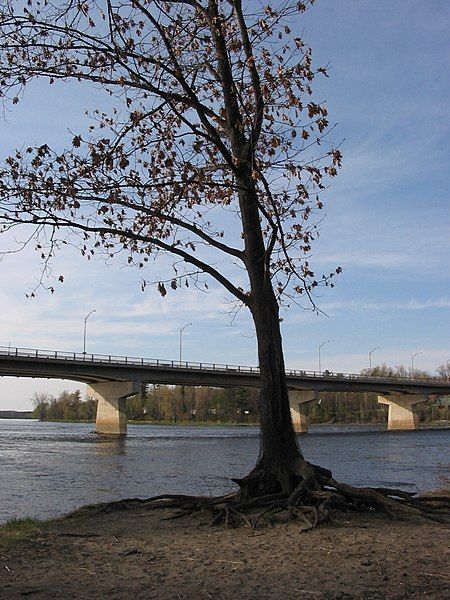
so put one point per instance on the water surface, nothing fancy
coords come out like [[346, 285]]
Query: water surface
[[48, 469]]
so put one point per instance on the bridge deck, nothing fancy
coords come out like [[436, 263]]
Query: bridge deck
[[91, 368]]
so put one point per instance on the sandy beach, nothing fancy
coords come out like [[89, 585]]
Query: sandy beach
[[141, 553]]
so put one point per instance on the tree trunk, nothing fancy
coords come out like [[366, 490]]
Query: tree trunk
[[280, 466]]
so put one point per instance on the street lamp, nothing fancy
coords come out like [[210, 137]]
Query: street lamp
[[181, 337], [320, 348], [370, 356], [84, 334], [412, 362]]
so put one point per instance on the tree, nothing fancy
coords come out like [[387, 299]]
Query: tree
[[443, 370], [213, 153], [41, 403], [385, 370]]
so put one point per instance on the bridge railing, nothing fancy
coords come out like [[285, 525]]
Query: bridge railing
[[102, 359]]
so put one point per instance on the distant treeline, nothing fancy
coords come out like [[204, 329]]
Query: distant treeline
[[240, 405], [176, 404]]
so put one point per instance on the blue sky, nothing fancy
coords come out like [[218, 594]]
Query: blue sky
[[387, 219]]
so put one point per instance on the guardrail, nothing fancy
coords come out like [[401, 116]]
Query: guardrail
[[103, 359]]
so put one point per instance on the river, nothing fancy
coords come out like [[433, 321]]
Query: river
[[48, 469]]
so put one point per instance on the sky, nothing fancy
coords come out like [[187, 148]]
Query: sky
[[387, 221]]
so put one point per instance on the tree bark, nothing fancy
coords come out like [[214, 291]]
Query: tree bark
[[280, 466]]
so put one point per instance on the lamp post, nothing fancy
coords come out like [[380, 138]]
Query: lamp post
[[319, 350], [370, 356], [84, 334], [181, 337], [412, 362]]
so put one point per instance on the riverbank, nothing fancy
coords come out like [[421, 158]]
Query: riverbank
[[139, 553], [440, 423]]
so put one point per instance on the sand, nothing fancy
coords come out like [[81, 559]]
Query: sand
[[139, 553]]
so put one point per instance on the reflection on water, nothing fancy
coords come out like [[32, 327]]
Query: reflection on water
[[114, 446], [51, 468]]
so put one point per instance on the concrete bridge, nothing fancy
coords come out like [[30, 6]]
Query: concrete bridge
[[112, 379]]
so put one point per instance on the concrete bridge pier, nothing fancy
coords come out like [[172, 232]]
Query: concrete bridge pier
[[297, 402], [111, 397], [402, 410]]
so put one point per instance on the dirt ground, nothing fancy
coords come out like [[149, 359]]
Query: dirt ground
[[138, 554]]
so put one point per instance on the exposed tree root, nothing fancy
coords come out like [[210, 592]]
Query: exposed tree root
[[310, 501]]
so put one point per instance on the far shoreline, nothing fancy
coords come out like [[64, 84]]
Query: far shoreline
[[438, 424]]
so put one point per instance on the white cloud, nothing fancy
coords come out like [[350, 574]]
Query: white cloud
[[408, 305]]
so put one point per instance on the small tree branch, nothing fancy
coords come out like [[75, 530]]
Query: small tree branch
[[58, 222]]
